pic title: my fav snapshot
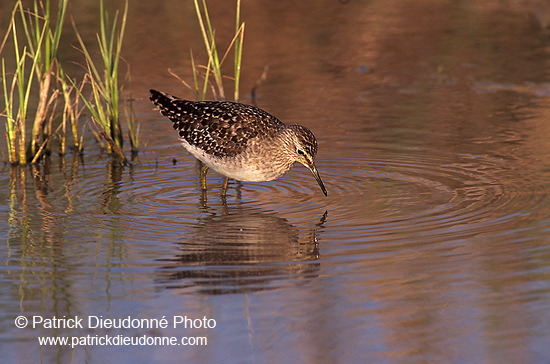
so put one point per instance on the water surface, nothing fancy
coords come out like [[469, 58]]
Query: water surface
[[432, 245]]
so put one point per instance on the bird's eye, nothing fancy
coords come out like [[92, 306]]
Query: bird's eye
[[300, 151]]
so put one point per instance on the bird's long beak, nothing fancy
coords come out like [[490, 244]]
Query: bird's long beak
[[313, 170]]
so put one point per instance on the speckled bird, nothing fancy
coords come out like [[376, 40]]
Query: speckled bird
[[239, 141]]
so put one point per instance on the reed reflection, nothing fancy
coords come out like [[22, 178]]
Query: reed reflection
[[242, 251]]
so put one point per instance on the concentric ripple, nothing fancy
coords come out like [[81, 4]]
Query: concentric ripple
[[429, 197], [414, 195]]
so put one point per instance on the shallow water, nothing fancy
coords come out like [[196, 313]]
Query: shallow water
[[432, 245]]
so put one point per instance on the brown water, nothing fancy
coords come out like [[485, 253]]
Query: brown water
[[432, 246]]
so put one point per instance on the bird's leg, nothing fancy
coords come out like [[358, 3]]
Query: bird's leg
[[203, 171], [224, 186]]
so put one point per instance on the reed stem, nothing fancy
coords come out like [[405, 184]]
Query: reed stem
[[105, 87], [214, 63]]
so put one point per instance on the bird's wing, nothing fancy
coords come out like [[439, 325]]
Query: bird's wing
[[218, 128]]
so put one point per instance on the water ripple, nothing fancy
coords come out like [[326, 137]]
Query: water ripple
[[426, 197], [419, 195]]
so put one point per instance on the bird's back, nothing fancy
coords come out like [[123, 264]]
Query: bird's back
[[220, 128]]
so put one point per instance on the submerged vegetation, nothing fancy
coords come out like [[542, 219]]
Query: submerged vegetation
[[40, 93]]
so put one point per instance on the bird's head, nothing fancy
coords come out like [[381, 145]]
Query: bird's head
[[305, 149]]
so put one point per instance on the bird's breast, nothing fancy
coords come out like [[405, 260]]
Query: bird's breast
[[254, 164]]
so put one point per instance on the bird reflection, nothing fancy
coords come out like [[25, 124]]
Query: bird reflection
[[242, 251]]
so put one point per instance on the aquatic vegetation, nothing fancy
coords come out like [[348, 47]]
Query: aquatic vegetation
[[38, 47], [39, 89], [104, 105], [214, 64]]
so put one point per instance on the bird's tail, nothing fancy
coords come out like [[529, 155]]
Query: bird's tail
[[163, 101]]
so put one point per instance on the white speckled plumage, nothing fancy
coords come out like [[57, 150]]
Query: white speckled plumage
[[239, 141]]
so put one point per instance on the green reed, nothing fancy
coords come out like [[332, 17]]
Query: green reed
[[104, 82], [214, 64], [38, 89], [17, 93], [43, 49], [72, 111], [35, 36]]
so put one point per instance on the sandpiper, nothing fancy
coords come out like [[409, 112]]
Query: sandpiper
[[239, 141]]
